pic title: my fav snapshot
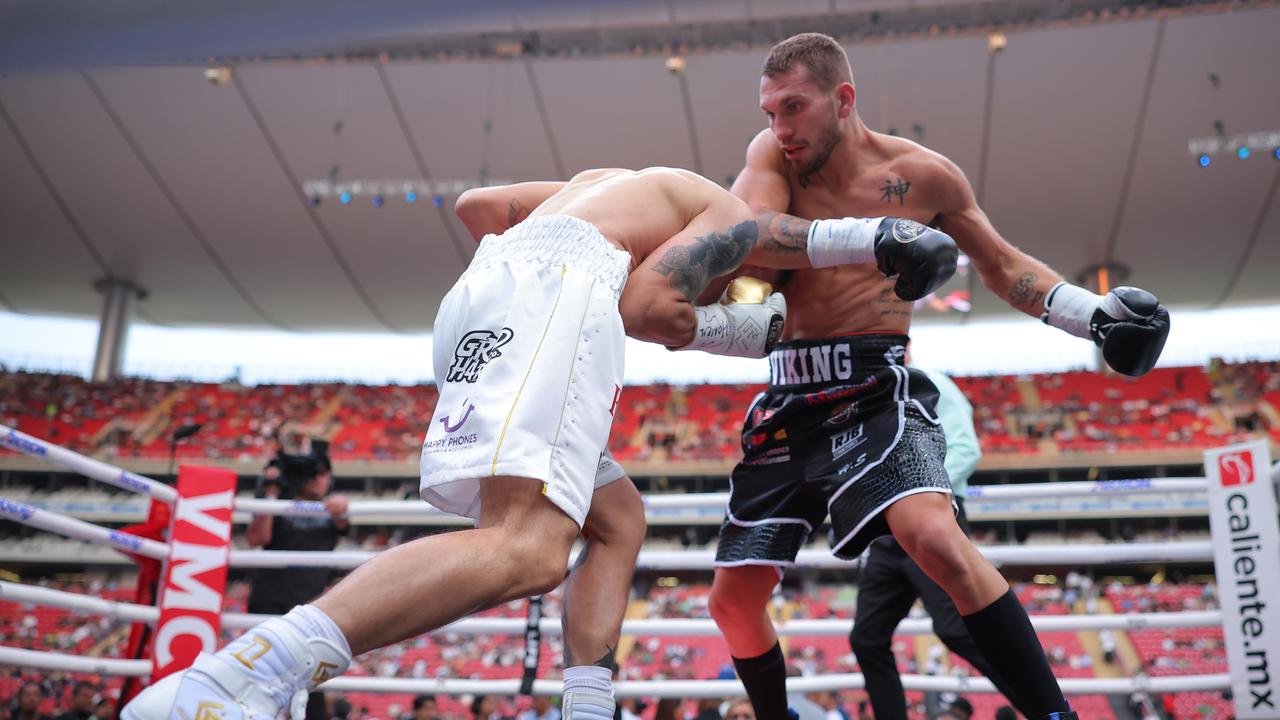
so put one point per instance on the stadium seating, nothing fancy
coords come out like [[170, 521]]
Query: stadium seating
[[1072, 412]]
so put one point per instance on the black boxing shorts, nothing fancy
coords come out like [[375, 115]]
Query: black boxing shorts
[[843, 429]]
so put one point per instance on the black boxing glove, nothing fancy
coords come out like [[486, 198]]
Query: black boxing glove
[[922, 258], [1128, 323]]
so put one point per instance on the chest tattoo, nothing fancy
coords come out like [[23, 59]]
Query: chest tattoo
[[894, 190]]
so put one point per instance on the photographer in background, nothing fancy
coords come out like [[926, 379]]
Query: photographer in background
[[276, 591]]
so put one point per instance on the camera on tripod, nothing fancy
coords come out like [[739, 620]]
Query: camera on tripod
[[294, 471]]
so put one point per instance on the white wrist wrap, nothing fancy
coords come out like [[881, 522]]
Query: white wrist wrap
[[739, 330], [842, 241], [1070, 307], [587, 705]]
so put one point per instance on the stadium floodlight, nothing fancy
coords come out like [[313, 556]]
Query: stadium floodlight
[[379, 190], [1242, 145]]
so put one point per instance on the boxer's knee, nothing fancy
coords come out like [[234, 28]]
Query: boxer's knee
[[535, 563], [741, 594], [529, 537], [616, 520], [941, 554], [925, 526]]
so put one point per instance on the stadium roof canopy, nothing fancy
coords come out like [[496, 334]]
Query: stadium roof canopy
[[118, 158]]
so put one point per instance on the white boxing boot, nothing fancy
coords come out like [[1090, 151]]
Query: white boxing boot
[[269, 669]]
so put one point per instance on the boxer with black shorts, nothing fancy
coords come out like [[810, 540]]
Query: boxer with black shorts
[[844, 428]]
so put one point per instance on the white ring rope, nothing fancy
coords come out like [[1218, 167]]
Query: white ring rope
[[977, 494], [98, 470], [1137, 486], [95, 469], [655, 627], [640, 688], [80, 530], [1079, 554], [359, 508]]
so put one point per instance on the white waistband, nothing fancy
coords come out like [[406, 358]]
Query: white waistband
[[558, 240]]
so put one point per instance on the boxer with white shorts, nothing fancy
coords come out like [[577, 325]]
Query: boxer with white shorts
[[528, 350], [528, 356]]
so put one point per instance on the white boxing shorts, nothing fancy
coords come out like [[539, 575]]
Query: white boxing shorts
[[528, 354]]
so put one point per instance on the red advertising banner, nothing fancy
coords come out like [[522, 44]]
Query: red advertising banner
[[195, 575]]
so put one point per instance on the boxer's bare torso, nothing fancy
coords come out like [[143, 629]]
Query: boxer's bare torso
[[639, 210], [895, 177]]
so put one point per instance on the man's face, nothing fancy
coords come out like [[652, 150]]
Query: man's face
[[426, 712], [82, 701], [317, 487], [804, 119], [29, 698]]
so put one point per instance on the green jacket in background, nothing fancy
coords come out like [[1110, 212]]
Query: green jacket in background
[[956, 414]]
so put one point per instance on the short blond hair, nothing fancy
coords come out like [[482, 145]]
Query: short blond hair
[[820, 54]]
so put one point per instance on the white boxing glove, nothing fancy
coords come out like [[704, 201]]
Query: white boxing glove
[[739, 329]]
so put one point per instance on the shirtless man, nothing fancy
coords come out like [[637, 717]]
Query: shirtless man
[[528, 352], [845, 428]]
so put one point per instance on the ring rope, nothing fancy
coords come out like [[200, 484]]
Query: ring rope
[[70, 527], [655, 627], [96, 469], [642, 688], [1076, 554]]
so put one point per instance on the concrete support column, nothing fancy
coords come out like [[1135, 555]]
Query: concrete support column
[[113, 325]]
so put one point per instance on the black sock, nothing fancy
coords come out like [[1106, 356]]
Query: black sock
[[1004, 634], [765, 678]]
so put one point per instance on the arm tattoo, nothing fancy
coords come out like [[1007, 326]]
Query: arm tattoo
[[688, 268], [783, 234], [515, 212], [1024, 290]]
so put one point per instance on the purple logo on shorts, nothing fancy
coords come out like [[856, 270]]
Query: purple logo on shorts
[[454, 428]]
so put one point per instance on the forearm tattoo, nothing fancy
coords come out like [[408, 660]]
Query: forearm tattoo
[[688, 268], [1024, 290], [783, 234]]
